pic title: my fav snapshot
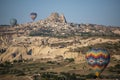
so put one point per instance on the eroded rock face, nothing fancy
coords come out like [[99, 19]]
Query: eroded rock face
[[55, 17], [63, 18]]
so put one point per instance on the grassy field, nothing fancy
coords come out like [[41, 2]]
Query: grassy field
[[53, 70]]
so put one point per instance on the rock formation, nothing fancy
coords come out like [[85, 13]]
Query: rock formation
[[55, 17], [49, 38]]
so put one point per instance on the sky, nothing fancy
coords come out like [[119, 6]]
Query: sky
[[103, 12]]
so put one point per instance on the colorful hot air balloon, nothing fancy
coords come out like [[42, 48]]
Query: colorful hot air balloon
[[98, 59], [13, 21], [33, 15]]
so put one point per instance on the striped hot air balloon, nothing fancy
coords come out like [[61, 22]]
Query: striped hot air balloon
[[98, 59]]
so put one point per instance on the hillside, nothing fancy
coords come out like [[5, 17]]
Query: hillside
[[54, 37]]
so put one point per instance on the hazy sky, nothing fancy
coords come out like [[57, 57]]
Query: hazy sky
[[106, 12]]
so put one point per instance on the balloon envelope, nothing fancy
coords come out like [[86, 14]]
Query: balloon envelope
[[98, 59], [13, 22], [33, 15]]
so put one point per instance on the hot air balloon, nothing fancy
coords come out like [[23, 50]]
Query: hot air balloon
[[33, 15], [98, 59], [13, 21]]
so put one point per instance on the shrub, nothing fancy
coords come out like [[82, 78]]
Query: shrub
[[70, 59], [51, 62], [91, 76]]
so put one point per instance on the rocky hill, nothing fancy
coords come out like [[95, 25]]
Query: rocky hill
[[57, 26], [53, 39]]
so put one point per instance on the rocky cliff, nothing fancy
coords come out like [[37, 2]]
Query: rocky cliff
[[55, 17]]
